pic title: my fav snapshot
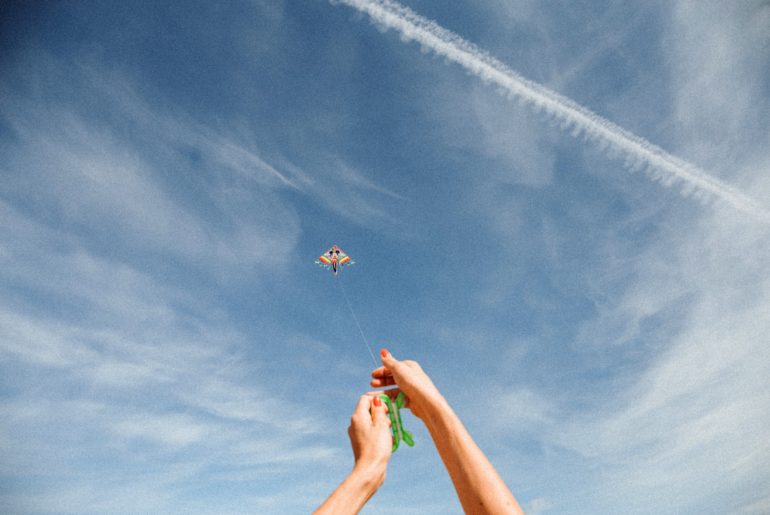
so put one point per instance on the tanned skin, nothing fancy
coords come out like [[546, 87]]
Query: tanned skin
[[479, 487]]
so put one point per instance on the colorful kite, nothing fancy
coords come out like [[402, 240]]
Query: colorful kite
[[334, 258]]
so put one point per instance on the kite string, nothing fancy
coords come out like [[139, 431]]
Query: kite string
[[355, 318]]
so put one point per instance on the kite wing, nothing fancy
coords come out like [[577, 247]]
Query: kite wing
[[344, 258]]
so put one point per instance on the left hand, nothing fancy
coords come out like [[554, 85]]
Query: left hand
[[370, 438], [369, 434]]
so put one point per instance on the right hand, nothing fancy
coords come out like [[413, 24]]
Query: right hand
[[421, 393]]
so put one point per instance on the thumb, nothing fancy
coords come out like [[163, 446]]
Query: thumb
[[378, 411]]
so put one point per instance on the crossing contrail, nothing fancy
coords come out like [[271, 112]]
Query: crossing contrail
[[638, 153]]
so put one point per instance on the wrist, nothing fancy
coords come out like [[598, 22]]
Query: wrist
[[436, 409], [435, 403], [371, 474]]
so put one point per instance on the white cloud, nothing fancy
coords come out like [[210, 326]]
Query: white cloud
[[698, 410], [639, 154], [679, 334]]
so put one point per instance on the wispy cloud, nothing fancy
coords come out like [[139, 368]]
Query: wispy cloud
[[109, 184], [150, 387], [112, 219], [349, 192], [639, 154], [165, 344]]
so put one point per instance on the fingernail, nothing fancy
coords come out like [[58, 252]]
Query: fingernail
[[377, 401], [384, 353]]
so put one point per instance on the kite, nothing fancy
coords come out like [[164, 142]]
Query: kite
[[334, 258]]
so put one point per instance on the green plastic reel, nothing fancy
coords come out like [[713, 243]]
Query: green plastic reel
[[396, 426]]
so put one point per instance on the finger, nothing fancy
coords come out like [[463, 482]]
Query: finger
[[381, 372], [379, 383], [372, 396], [379, 417], [388, 360], [362, 408], [392, 393], [376, 396]]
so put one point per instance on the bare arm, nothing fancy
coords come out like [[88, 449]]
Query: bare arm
[[480, 488], [370, 438], [478, 485], [353, 492]]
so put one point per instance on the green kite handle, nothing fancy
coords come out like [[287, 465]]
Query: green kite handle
[[396, 425]]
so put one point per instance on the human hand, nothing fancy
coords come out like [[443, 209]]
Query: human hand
[[370, 437], [371, 440], [421, 393], [479, 486]]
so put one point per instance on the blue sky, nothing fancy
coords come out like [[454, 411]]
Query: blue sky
[[598, 317]]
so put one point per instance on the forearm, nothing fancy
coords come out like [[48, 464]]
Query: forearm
[[354, 491], [478, 485]]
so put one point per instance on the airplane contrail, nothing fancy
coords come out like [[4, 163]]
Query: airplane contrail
[[639, 153]]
